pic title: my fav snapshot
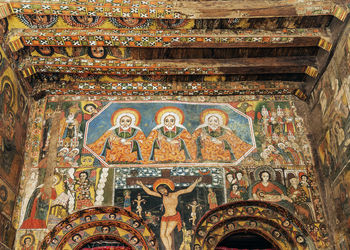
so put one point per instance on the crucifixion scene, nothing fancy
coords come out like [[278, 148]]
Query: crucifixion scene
[[166, 196]]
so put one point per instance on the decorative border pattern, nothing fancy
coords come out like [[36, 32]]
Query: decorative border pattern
[[85, 221], [137, 39], [64, 87], [151, 9], [285, 229], [115, 8]]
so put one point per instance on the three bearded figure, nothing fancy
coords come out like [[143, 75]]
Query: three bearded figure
[[169, 140]]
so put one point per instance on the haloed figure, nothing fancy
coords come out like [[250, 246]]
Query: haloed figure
[[171, 217], [98, 52], [215, 141], [170, 139], [267, 191], [124, 141]]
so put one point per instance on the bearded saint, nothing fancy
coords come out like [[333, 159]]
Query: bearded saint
[[215, 141], [124, 141], [170, 139]]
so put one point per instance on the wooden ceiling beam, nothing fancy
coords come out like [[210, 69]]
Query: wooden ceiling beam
[[168, 67], [172, 38], [180, 9], [164, 88]]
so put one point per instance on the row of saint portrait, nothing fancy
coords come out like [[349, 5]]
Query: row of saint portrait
[[169, 140]]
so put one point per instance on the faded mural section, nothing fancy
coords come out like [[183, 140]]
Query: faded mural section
[[331, 102], [166, 162], [13, 122]]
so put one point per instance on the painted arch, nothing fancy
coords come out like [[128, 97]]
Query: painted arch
[[100, 223], [271, 221]]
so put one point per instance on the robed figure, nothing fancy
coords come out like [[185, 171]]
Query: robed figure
[[266, 190], [170, 139], [215, 141], [38, 205], [124, 141]]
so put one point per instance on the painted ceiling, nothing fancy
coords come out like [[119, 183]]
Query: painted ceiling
[[127, 47]]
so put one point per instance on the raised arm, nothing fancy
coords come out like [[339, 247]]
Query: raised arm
[[190, 188], [147, 190]]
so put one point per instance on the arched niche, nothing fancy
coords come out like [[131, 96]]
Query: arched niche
[[106, 238], [269, 220], [246, 239], [100, 224]]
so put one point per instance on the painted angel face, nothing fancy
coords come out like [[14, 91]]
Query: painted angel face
[[98, 52], [85, 19], [131, 21], [39, 19], [134, 240], [76, 238], [105, 230], [44, 50]]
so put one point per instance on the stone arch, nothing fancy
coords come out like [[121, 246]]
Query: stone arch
[[269, 220], [100, 223]]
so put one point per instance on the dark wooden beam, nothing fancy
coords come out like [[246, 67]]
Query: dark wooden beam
[[172, 38], [79, 86], [167, 66]]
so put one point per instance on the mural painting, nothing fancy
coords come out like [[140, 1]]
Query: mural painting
[[124, 229], [169, 162], [119, 135], [7, 199], [13, 121], [169, 199], [29, 239], [68, 190], [265, 219], [332, 98], [7, 232], [14, 115]]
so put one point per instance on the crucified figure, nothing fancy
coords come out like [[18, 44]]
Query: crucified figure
[[193, 206], [171, 217], [138, 201]]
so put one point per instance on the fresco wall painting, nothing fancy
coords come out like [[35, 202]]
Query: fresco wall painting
[[262, 218], [332, 99], [13, 121], [156, 161]]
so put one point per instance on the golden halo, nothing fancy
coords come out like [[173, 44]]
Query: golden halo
[[126, 111], [219, 112], [171, 109], [163, 181], [84, 103], [25, 236], [7, 80]]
